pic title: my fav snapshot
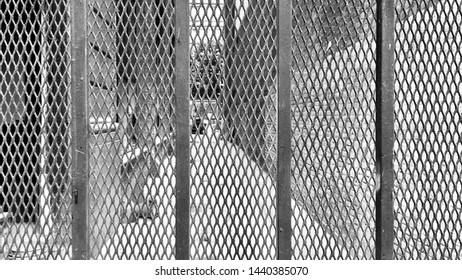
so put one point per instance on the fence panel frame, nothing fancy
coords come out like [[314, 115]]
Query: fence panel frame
[[80, 130], [182, 149], [385, 129], [284, 156]]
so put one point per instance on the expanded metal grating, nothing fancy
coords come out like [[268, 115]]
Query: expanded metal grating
[[428, 129], [233, 135], [333, 127], [35, 130], [153, 129], [132, 158]]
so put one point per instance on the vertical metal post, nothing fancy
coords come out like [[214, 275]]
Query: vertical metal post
[[384, 130], [80, 240], [182, 128], [284, 55]]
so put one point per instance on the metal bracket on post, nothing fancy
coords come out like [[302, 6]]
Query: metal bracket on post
[[384, 129], [80, 170], [284, 55]]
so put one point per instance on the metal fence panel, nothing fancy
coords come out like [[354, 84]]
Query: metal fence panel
[[428, 130], [233, 190], [333, 127], [35, 122], [159, 129], [132, 114]]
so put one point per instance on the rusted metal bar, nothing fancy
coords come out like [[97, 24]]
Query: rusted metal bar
[[284, 55], [384, 129], [182, 128], [80, 127]]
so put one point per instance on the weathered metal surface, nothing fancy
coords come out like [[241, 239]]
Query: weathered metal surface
[[284, 155], [80, 131], [385, 129], [182, 168]]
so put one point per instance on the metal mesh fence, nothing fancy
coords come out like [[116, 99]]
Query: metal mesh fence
[[134, 89], [233, 208], [333, 127], [428, 130], [35, 130], [131, 116]]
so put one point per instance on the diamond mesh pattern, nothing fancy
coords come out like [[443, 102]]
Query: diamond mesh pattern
[[35, 130], [131, 114], [233, 128], [333, 127], [233, 191], [428, 130]]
